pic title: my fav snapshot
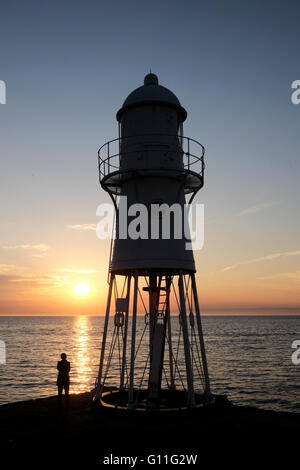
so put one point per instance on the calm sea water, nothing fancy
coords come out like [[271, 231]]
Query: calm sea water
[[249, 358]]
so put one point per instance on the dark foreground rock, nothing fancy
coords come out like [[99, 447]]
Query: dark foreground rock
[[34, 433]]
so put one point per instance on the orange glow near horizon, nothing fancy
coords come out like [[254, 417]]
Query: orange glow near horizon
[[65, 284]]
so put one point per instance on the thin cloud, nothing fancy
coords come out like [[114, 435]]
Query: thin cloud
[[37, 281], [83, 226], [24, 284], [4, 268], [294, 275], [258, 208], [79, 271], [41, 255], [39, 247], [271, 257]]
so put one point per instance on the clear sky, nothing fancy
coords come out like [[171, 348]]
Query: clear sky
[[69, 65]]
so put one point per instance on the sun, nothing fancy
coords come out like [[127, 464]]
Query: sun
[[81, 289]]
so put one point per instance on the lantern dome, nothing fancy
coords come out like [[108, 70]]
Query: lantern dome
[[152, 93]]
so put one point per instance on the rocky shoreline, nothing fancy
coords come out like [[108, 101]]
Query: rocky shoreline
[[33, 430]]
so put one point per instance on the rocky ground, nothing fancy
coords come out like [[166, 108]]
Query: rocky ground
[[33, 432]]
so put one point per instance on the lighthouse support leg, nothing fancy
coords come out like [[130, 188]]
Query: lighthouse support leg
[[172, 382], [125, 335], [200, 332], [131, 377], [99, 385], [152, 309], [187, 353]]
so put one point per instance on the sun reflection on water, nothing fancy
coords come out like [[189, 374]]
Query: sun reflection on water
[[81, 367]]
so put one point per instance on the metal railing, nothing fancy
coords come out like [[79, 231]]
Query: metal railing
[[191, 151]]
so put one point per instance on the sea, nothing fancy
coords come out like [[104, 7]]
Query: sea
[[249, 357]]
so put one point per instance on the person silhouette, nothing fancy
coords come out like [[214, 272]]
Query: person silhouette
[[63, 380]]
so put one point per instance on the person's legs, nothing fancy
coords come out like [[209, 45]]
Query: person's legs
[[66, 387], [59, 396]]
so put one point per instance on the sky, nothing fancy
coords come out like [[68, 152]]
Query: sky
[[69, 65]]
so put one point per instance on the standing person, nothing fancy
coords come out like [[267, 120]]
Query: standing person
[[63, 380]]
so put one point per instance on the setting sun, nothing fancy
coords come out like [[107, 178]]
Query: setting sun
[[81, 289]]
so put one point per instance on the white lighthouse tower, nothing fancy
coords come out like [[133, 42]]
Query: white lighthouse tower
[[152, 353]]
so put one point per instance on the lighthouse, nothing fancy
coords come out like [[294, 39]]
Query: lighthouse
[[152, 351]]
